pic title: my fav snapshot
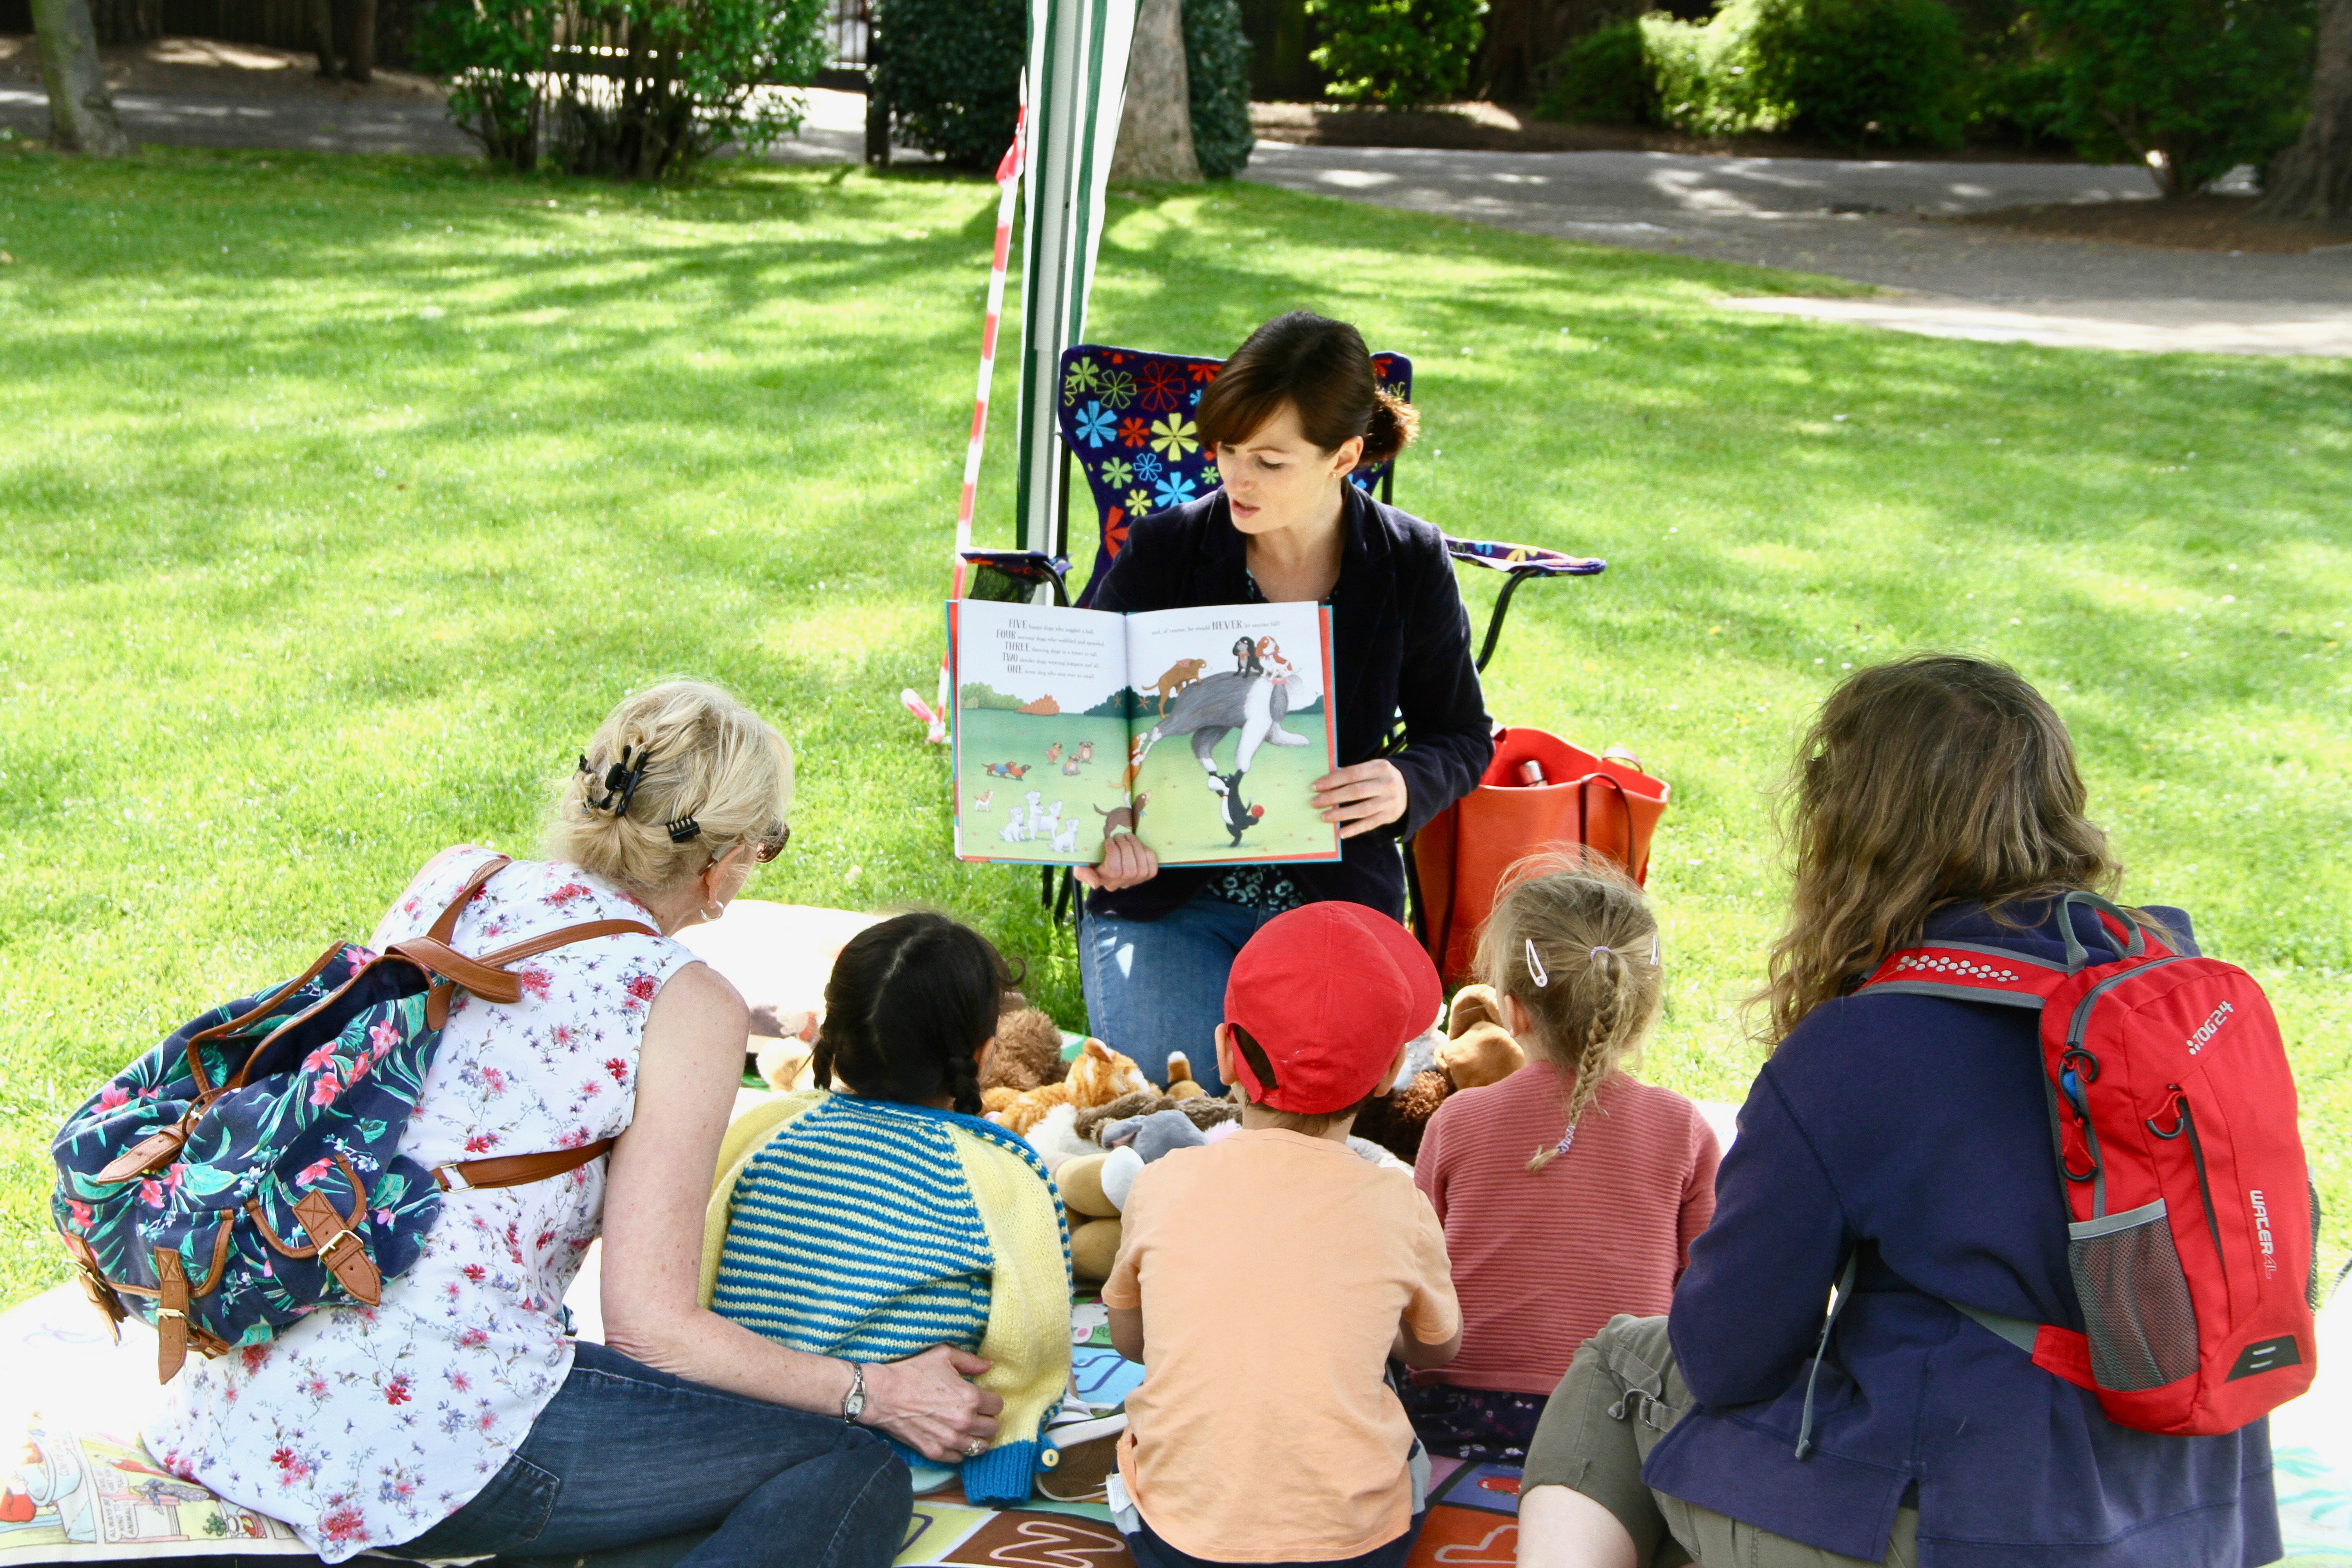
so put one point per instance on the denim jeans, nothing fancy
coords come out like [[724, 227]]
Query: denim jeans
[[625, 1456], [1157, 986]]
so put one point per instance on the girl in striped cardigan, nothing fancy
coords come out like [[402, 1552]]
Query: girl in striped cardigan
[[876, 1222]]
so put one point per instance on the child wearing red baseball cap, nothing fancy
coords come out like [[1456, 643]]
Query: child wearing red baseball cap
[[1275, 1273]]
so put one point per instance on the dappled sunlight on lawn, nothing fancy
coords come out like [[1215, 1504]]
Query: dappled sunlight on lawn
[[330, 548]]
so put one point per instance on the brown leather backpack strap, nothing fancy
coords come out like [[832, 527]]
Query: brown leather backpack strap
[[171, 1314], [446, 962], [444, 928], [546, 942], [515, 1170]]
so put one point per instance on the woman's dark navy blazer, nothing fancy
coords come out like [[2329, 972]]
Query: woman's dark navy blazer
[[1915, 1128], [1401, 643]]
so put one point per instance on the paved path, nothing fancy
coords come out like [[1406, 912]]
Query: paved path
[[834, 132], [1784, 212]]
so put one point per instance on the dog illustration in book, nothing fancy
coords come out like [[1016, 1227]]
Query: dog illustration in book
[[1180, 674], [1239, 817], [1054, 753], [980, 802], [1006, 769], [1048, 821], [1065, 838], [1036, 811], [1085, 751], [1251, 701], [1123, 818], [1070, 768], [1015, 829]]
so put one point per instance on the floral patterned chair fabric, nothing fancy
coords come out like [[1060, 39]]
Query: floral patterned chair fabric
[[1126, 418]]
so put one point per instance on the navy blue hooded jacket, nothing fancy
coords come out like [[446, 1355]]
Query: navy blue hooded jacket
[[1915, 1128], [1399, 643]]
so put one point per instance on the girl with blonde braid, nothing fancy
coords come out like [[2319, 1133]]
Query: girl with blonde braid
[[1569, 1192]]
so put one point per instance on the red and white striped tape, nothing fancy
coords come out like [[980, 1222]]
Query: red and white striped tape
[[1008, 186]]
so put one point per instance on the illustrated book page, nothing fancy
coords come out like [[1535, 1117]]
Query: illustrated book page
[[1201, 731]]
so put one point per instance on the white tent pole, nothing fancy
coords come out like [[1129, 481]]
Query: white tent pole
[[1078, 77]]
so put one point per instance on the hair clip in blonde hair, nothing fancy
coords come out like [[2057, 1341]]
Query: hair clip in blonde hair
[[1653, 949], [1535, 966]]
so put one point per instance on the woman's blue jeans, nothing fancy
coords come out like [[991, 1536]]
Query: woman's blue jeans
[[1157, 986], [626, 1454]]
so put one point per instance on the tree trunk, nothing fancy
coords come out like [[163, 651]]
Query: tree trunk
[[1155, 132], [2313, 179], [359, 62], [81, 111], [322, 37]]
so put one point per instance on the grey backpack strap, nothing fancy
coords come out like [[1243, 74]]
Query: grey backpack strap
[[2016, 1331], [1838, 1300]]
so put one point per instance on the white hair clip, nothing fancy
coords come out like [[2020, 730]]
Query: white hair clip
[[1535, 966], [1653, 949]]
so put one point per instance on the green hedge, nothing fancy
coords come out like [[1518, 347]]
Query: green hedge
[[1217, 61], [1397, 53], [2208, 84], [1851, 72], [948, 72]]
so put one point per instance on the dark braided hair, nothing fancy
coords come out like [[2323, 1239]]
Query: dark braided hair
[[910, 1001]]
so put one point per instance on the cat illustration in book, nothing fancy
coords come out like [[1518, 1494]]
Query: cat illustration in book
[[1123, 818], [1180, 674], [1239, 817]]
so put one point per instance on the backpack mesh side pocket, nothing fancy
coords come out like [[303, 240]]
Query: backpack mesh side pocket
[[2134, 1299]]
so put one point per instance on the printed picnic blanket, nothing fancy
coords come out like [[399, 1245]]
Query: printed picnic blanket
[[75, 1486]]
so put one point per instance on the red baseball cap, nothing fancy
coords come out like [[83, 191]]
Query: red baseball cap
[[1329, 991]]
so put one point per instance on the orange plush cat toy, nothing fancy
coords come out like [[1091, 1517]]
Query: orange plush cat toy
[[1098, 1076]]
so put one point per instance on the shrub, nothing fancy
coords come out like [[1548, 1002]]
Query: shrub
[[1397, 53], [2207, 84], [684, 80], [1217, 64], [1705, 74], [1852, 72], [2018, 101], [1605, 77], [948, 73]]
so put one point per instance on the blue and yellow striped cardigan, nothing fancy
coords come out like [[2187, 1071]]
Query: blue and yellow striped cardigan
[[872, 1229]]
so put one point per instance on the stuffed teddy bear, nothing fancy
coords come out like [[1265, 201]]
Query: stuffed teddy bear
[[1478, 1051], [1097, 1077], [1028, 1053]]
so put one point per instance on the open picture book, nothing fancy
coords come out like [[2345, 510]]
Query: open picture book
[[1201, 730]]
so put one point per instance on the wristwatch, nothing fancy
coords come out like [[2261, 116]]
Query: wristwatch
[[853, 1404]]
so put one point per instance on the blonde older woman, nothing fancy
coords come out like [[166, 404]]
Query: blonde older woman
[[459, 1419]]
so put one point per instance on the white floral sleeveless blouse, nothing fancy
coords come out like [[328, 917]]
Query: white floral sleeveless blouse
[[366, 1426]]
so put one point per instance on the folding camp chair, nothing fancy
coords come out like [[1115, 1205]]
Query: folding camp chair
[[1126, 418]]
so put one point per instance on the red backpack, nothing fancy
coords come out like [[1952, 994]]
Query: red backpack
[[2195, 1225]]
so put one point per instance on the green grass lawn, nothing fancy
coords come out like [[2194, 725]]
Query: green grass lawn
[[342, 496]]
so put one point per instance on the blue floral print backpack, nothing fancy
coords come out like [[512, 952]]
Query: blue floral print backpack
[[246, 1170]]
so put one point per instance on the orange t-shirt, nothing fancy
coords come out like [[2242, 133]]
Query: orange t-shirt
[[1273, 1270]]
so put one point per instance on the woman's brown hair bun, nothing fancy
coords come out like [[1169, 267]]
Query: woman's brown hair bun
[[1319, 368], [1394, 423]]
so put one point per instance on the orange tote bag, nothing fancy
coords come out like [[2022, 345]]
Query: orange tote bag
[[1457, 861]]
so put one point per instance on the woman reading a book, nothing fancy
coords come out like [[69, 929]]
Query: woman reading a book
[[1291, 416]]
